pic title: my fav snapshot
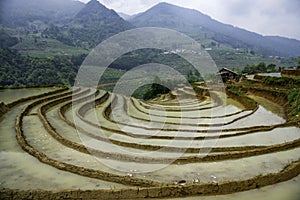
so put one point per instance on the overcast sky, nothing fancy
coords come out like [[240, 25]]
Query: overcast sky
[[267, 17]]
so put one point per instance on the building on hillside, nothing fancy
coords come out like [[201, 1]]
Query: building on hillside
[[227, 74], [291, 72]]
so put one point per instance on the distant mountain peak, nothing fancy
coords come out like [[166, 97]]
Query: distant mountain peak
[[94, 13], [202, 26], [93, 3], [94, 23], [91, 7], [164, 4]]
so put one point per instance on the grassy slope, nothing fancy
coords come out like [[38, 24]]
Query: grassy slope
[[44, 47], [224, 56]]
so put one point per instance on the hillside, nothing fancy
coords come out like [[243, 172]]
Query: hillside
[[91, 25], [19, 71], [57, 27], [65, 30], [95, 23], [201, 26], [23, 13]]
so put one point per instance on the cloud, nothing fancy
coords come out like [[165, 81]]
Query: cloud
[[267, 17]]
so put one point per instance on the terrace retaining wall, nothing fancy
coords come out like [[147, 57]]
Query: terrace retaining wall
[[171, 191], [3, 109], [153, 190], [243, 151]]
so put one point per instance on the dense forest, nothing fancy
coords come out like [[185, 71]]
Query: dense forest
[[17, 70]]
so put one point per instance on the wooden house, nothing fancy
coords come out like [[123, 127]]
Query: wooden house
[[227, 74]]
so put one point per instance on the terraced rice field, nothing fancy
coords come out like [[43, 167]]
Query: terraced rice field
[[88, 143]]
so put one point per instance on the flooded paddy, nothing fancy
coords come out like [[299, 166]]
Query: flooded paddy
[[19, 170], [10, 95], [142, 143]]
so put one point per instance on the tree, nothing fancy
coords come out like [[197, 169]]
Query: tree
[[158, 87], [271, 68], [261, 67]]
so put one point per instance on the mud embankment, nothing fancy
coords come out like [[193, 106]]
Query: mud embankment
[[170, 191], [5, 108], [145, 188]]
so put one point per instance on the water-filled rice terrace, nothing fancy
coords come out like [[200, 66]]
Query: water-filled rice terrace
[[89, 143]]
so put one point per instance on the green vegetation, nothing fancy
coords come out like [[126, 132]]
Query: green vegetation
[[90, 26], [55, 37], [237, 59], [17, 70], [260, 68], [6, 40], [151, 91], [282, 81], [111, 76], [283, 90], [294, 102], [36, 46], [269, 105], [145, 56], [235, 90], [202, 27]]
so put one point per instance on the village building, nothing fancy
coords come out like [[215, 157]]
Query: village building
[[291, 72], [227, 74]]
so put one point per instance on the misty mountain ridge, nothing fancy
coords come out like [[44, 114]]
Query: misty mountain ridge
[[45, 43], [95, 10], [16, 13], [125, 16], [94, 13], [70, 22], [85, 25], [199, 25]]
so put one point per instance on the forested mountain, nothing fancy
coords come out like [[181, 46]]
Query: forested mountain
[[95, 22], [17, 70], [6, 40], [45, 43], [198, 25], [70, 22], [20, 13], [91, 25]]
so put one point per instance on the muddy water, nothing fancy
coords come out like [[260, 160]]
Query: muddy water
[[19, 170], [276, 136], [269, 105], [229, 169], [10, 95], [215, 111], [119, 115], [225, 170], [22, 171], [262, 117], [42, 141]]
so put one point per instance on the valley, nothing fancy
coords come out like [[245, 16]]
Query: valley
[[181, 107]]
